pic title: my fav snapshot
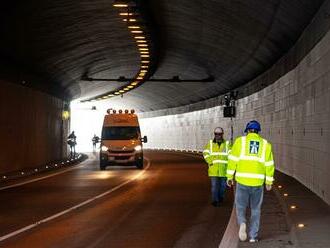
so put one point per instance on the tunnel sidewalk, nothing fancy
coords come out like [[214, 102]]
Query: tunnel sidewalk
[[287, 206]]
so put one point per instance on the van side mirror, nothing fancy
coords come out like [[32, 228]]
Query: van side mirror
[[144, 139]]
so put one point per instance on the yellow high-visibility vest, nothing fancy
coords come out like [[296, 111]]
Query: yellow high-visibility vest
[[251, 160], [217, 158]]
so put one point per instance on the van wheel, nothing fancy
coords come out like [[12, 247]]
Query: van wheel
[[139, 164]]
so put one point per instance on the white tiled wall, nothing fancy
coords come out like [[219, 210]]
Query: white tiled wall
[[294, 113]]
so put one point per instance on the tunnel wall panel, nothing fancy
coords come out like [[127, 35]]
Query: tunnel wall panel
[[294, 113], [31, 128]]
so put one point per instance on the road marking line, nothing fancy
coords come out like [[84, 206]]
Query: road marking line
[[26, 228]]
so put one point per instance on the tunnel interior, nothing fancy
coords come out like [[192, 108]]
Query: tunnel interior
[[274, 54]]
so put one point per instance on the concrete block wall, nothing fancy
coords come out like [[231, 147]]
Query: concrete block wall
[[31, 128], [294, 113]]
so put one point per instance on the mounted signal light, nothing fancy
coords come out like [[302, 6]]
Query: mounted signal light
[[126, 111], [120, 111], [132, 111]]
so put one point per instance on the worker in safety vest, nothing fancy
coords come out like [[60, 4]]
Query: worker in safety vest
[[216, 156], [251, 162]]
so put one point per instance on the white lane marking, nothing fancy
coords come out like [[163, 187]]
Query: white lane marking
[[42, 178], [26, 228]]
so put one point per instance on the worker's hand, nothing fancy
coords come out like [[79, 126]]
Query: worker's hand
[[268, 187], [230, 182]]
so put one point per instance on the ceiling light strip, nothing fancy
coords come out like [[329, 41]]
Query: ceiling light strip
[[138, 34]]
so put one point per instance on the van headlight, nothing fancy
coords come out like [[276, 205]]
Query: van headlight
[[138, 148], [104, 148]]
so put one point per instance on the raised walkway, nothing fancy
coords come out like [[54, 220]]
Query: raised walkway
[[292, 216]]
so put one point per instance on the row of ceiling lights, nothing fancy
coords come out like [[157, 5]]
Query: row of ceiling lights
[[130, 15]]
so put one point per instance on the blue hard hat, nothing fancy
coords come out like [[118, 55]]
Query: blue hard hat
[[253, 125]]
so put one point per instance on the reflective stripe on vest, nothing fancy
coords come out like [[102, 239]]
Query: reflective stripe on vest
[[232, 157], [269, 163], [211, 146], [271, 179], [217, 153], [250, 175], [220, 161]]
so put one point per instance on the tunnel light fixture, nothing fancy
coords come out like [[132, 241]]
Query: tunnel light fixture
[[117, 93], [121, 91], [141, 41], [293, 207], [139, 37], [120, 5], [126, 14], [301, 225], [136, 31], [142, 45], [130, 86], [134, 83], [144, 71], [144, 66], [144, 55], [134, 27], [129, 20], [142, 52], [65, 115], [143, 49], [279, 186], [285, 194]]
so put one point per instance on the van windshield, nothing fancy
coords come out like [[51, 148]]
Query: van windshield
[[120, 133]]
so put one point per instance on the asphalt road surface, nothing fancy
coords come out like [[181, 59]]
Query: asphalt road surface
[[165, 205]]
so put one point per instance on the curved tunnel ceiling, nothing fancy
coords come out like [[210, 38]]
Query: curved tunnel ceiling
[[234, 41]]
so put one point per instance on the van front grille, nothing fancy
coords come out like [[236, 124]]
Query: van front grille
[[122, 151], [122, 158]]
